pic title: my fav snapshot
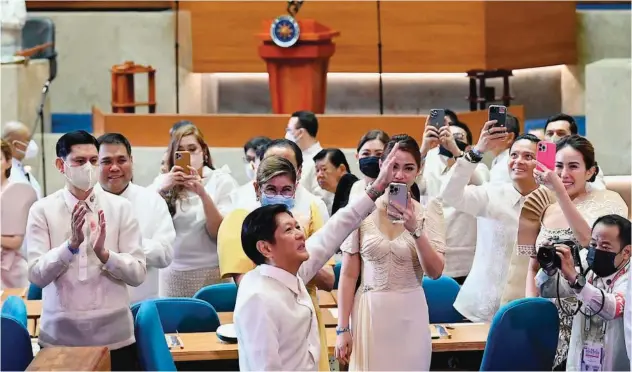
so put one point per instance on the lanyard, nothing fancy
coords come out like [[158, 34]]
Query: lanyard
[[609, 287]]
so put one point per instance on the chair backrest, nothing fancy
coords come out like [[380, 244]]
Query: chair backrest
[[14, 307], [440, 296], [221, 296], [337, 268], [184, 315], [153, 351], [34, 292], [523, 337]]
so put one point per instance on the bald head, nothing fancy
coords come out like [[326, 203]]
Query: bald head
[[18, 136]]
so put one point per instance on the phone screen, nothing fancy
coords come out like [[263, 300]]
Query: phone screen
[[498, 113]]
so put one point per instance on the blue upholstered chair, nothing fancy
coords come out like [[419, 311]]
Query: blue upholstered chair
[[523, 337], [337, 268], [221, 296], [184, 315], [153, 351], [16, 350], [34, 292], [440, 296]]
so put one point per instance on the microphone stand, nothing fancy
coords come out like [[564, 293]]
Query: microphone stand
[[40, 119]]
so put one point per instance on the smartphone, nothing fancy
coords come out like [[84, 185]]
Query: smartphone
[[546, 154], [437, 118], [498, 113], [398, 194], [174, 341], [183, 159]]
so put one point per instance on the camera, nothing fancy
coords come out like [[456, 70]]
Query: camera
[[541, 147], [548, 259]]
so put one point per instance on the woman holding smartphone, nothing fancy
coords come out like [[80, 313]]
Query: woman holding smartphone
[[570, 217], [197, 198], [384, 324]]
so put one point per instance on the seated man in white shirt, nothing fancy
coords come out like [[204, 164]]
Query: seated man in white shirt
[[156, 226], [84, 249], [601, 291], [274, 316], [23, 147]]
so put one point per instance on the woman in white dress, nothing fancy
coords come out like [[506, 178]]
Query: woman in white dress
[[389, 327], [197, 199], [18, 199]]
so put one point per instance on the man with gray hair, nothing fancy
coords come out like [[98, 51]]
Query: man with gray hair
[[23, 147]]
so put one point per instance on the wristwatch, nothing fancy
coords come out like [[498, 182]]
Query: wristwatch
[[372, 192], [418, 232], [73, 251], [342, 330], [580, 282], [473, 156]]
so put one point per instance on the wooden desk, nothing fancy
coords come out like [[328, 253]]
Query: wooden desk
[[325, 299], [334, 293], [33, 309], [206, 346], [328, 319], [72, 359], [20, 292]]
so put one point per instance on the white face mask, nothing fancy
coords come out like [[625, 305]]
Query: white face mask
[[31, 149], [250, 171], [289, 136], [197, 160], [83, 177]]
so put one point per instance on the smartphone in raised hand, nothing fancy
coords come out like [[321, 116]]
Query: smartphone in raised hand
[[183, 160], [498, 113], [546, 155], [397, 194], [437, 118]]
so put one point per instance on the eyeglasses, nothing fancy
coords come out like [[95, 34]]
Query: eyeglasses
[[286, 191], [459, 136]]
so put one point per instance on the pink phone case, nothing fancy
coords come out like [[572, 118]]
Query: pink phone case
[[546, 154]]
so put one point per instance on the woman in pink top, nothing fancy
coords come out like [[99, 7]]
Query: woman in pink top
[[16, 199]]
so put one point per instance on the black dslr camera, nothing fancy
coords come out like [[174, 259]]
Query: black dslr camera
[[550, 262]]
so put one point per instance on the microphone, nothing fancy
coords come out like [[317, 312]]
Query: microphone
[[45, 87]]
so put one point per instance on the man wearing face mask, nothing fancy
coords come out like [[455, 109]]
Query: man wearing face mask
[[84, 249], [560, 126], [250, 155], [441, 148], [597, 337], [302, 129], [23, 147]]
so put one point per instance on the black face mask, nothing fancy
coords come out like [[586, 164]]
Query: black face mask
[[370, 166], [601, 262], [460, 144]]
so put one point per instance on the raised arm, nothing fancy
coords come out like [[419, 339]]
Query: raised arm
[[456, 193], [349, 274], [128, 264], [326, 241]]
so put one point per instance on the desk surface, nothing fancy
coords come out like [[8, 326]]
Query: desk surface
[[326, 299], [328, 318], [206, 346], [20, 292], [71, 359]]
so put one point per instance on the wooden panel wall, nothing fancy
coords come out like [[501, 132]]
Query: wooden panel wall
[[342, 131], [540, 36], [432, 36], [223, 33]]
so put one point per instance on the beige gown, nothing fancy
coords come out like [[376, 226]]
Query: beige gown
[[389, 320]]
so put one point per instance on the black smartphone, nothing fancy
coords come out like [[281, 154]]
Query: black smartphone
[[437, 118], [498, 113]]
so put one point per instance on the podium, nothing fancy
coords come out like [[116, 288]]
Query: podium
[[298, 75]]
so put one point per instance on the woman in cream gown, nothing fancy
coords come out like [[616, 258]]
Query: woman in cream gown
[[572, 210], [389, 327]]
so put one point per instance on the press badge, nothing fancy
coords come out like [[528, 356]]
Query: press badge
[[592, 357]]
